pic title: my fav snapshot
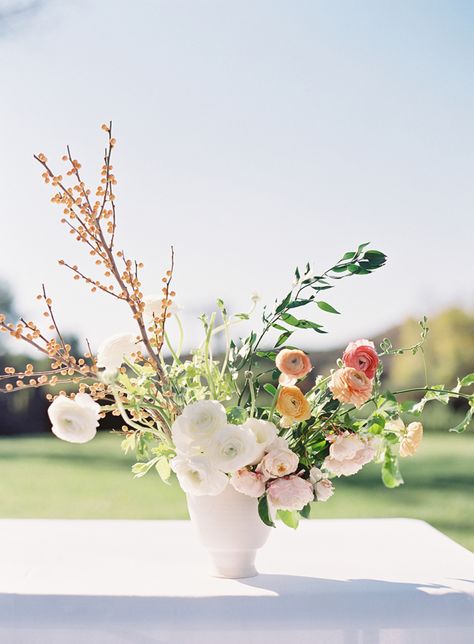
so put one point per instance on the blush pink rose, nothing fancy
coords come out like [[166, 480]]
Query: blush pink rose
[[349, 453], [291, 493], [350, 386], [278, 462], [324, 490], [361, 355], [293, 364], [249, 483]]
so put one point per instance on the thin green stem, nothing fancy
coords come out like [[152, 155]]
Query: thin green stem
[[274, 402], [208, 356], [181, 334]]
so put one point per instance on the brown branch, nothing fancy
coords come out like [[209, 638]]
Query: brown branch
[[89, 280], [53, 320]]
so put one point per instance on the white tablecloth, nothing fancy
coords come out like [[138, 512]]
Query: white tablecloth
[[389, 581]]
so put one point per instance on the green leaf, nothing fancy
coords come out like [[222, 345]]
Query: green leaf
[[283, 338], [271, 355], [467, 380], [128, 443], [242, 316], [283, 304], [350, 255], [237, 415], [270, 389], [163, 468], [264, 512], [221, 305], [353, 268], [140, 469], [306, 511], [301, 324], [391, 476], [289, 518], [464, 424], [324, 306], [361, 247], [297, 303]]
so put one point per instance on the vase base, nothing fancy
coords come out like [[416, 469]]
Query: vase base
[[233, 564]]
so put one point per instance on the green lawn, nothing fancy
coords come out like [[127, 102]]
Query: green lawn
[[44, 477]]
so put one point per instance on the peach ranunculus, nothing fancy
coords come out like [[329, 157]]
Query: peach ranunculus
[[350, 386], [361, 355], [291, 493], [292, 405], [411, 439], [293, 364]]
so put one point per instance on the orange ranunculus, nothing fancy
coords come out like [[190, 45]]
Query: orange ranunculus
[[350, 386], [293, 364], [292, 405]]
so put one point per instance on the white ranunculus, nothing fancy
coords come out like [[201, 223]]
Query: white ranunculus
[[278, 443], [278, 462], [74, 420], [153, 306], [197, 476], [233, 447], [265, 434], [193, 430], [113, 351]]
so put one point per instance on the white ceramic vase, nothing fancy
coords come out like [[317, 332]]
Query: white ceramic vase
[[230, 529]]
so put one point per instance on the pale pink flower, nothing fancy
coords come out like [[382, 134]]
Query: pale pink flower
[[361, 355], [345, 446], [350, 386], [278, 462], [412, 439], [291, 493], [293, 364], [324, 490], [349, 453], [249, 483]]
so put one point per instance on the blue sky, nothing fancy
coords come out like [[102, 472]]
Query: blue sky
[[253, 136]]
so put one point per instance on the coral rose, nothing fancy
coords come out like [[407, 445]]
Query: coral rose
[[412, 439], [291, 493], [293, 364], [292, 405], [361, 355], [350, 386]]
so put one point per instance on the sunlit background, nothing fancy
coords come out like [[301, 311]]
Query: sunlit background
[[253, 136]]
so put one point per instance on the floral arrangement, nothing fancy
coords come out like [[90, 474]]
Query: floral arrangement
[[256, 417]]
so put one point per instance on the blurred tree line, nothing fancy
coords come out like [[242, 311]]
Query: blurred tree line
[[448, 352]]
